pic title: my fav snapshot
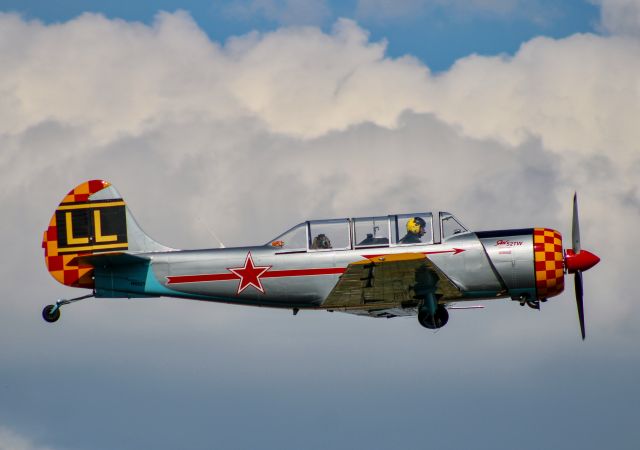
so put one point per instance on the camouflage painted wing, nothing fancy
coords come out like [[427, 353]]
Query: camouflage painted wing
[[387, 286]]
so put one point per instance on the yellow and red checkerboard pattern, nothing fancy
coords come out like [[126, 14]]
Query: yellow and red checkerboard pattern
[[549, 262], [62, 266]]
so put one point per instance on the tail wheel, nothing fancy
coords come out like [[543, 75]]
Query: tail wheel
[[51, 313], [435, 321]]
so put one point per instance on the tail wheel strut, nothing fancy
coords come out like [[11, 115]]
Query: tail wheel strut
[[51, 313]]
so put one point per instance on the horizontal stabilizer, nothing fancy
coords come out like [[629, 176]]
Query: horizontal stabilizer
[[110, 259]]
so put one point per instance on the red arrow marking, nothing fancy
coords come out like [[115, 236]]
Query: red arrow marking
[[455, 251]]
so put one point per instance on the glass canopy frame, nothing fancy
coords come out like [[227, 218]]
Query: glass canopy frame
[[368, 232]]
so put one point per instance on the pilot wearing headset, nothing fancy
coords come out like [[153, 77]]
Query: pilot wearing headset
[[415, 230]]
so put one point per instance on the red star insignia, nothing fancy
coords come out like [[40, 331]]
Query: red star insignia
[[249, 274]]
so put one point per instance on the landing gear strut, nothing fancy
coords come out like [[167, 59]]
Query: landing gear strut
[[531, 303], [51, 313]]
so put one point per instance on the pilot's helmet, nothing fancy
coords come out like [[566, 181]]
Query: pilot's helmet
[[416, 225]]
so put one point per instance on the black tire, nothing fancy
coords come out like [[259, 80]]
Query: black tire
[[438, 320], [48, 316]]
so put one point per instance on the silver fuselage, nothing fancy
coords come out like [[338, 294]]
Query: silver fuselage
[[480, 267]]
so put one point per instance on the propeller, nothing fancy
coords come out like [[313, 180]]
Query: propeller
[[575, 226], [577, 280], [577, 261]]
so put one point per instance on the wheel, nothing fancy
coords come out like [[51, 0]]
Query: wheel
[[48, 316], [438, 320]]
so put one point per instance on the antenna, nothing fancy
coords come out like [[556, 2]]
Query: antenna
[[211, 232]]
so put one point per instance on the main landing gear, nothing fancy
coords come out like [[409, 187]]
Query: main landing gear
[[531, 303], [432, 315], [434, 321], [51, 313]]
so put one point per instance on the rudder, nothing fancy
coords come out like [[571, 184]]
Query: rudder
[[92, 218]]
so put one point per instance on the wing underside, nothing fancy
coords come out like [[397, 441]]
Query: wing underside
[[389, 286]]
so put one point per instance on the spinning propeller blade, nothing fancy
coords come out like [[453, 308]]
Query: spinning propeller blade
[[575, 226], [577, 261], [578, 286]]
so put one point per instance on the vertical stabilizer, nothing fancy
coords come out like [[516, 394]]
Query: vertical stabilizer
[[91, 219]]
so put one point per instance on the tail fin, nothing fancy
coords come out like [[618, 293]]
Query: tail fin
[[92, 218]]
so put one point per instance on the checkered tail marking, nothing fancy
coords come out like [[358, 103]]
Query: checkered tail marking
[[80, 227]]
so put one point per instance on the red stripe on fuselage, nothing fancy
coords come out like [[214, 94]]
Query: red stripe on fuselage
[[304, 272], [201, 278], [269, 274]]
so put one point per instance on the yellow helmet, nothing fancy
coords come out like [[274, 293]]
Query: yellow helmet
[[415, 225]]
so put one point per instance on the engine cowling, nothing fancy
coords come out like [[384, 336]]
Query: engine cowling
[[529, 262], [549, 262]]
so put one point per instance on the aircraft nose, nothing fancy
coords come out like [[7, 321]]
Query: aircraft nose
[[583, 260]]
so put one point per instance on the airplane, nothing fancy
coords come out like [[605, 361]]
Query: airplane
[[418, 264]]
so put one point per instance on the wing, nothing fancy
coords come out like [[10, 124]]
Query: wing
[[388, 286]]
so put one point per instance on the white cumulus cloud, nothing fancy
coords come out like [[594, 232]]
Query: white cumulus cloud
[[268, 129]]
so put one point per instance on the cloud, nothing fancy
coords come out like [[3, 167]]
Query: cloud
[[576, 94], [93, 87], [321, 110], [10, 440], [620, 16], [265, 130], [68, 88]]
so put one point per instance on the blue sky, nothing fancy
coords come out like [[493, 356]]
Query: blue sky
[[436, 32], [502, 110]]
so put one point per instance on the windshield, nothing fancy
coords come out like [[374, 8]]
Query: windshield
[[451, 226], [293, 240]]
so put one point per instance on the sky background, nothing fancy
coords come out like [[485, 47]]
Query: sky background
[[247, 117]]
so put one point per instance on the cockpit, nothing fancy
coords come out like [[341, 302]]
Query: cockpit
[[396, 230]]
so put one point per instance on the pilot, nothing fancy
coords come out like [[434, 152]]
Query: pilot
[[415, 231], [321, 241]]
